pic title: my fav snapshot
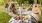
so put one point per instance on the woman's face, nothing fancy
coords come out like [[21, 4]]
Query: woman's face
[[10, 5]]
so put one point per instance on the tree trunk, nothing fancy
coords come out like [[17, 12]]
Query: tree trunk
[[35, 1]]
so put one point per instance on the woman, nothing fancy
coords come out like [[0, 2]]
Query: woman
[[6, 6], [15, 18]]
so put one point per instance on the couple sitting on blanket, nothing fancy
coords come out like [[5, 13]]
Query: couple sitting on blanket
[[16, 19]]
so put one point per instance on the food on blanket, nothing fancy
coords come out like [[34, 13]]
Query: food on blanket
[[26, 18], [17, 17]]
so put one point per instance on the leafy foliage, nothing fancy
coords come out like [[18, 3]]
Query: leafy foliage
[[31, 1]]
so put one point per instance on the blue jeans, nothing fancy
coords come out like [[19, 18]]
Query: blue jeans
[[29, 21]]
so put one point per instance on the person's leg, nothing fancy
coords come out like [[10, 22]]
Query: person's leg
[[29, 21]]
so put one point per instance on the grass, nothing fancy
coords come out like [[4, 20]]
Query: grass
[[40, 16], [4, 17]]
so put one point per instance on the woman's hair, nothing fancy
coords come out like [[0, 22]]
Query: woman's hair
[[12, 5], [14, 10], [6, 5]]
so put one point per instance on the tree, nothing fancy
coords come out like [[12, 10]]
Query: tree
[[20, 2], [31, 1], [41, 2], [38, 2]]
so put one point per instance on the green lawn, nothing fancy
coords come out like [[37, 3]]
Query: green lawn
[[40, 16], [4, 17]]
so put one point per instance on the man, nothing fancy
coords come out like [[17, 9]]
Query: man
[[33, 15]]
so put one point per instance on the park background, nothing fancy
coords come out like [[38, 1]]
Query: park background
[[4, 17]]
